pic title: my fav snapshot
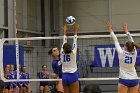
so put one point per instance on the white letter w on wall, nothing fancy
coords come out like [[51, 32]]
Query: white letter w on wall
[[106, 55]]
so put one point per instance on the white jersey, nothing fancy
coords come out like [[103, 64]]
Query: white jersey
[[69, 64], [127, 60]]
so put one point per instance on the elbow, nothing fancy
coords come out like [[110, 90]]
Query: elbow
[[120, 52]]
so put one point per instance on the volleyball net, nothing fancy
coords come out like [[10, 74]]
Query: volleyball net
[[97, 58]]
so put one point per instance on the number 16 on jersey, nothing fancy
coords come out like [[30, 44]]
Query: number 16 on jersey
[[66, 58]]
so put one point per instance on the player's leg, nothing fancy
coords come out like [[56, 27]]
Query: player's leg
[[74, 87], [73, 82], [41, 88], [66, 89], [6, 91], [28, 89], [122, 88], [10, 89], [123, 85], [65, 82], [20, 88], [15, 89], [24, 89], [134, 89], [46, 89], [60, 87], [6, 87]]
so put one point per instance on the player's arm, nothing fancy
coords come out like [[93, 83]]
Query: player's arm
[[55, 72], [117, 45], [28, 77], [125, 29], [41, 76], [64, 37], [53, 75], [75, 28]]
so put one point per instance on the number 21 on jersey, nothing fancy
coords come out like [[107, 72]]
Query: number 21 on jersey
[[128, 60], [66, 58]]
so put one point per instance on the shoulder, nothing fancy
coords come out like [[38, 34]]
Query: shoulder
[[54, 62], [27, 73]]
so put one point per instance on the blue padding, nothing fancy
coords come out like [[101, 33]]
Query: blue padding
[[9, 55]]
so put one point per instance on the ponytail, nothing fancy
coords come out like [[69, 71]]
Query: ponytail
[[50, 52], [136, 45]]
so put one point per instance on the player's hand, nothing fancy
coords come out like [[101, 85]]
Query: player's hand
[[75, 28], [47, 73], [65, 28], [53, 75], [20, 85], [109, 27], [124, 27]]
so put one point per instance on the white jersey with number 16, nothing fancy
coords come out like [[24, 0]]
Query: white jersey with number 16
[[69, 64]]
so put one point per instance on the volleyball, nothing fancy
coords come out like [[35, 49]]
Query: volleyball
[[70, 20]]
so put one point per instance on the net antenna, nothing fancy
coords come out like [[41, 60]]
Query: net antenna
[[1, 59], [16, 41]]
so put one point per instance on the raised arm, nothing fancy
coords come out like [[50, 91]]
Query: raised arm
[[117, 45], [125, 29], [75, 28], [64, 37]]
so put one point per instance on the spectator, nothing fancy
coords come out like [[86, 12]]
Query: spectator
[[25, 84], [13, 74], [44, 74], [57, 67], [7, 85]]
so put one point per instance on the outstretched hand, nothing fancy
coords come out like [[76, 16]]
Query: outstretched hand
[[124, 27], [65, 29], [109, 27], [75, 28]]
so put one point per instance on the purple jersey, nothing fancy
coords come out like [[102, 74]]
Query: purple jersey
[[42, 75], [25, 76], [13, 75], [57, 67]]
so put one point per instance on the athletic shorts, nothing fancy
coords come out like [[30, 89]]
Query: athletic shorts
[[43, 84], [69, 78], [18, 84], [24, 85], [129, 83], [7, 87], [60, 76]]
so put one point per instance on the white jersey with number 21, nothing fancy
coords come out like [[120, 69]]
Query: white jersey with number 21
[[127, 60]]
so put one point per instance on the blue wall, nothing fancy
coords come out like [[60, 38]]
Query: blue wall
[[9, 55]]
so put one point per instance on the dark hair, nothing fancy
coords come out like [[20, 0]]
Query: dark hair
[[136, 45], [44, 65], [129, 45], [50, 51], [5, 67], [92, 88], [22, 68], [67, 48]]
